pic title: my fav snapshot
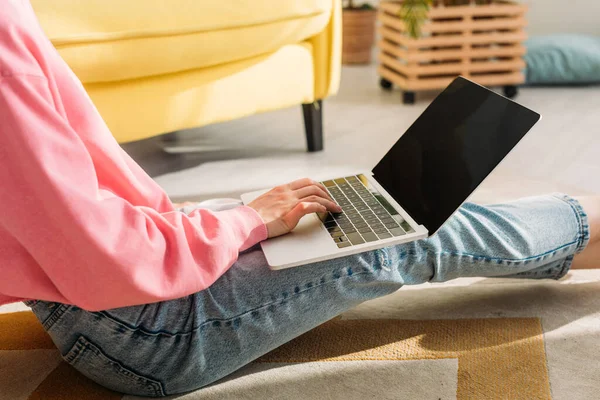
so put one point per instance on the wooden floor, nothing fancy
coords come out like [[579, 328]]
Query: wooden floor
[[561, 153]]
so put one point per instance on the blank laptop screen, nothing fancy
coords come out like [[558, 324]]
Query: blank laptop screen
[[450, 149]]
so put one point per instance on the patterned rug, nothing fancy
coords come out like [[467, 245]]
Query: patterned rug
[[465, 339], [465, 359]]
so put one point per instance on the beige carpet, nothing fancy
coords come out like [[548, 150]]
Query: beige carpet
[[480, 358], [467, 339]]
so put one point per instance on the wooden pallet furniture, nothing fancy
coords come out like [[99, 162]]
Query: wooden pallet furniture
[[482, 41]]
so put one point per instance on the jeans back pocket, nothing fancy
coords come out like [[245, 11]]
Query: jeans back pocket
[[92, 362]]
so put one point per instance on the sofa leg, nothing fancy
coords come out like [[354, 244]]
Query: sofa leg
[[313, 124], [169, 138]]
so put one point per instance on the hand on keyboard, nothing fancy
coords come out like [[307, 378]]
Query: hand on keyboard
[[364, 218], [282, 207]]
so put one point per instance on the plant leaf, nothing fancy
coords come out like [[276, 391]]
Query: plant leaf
[[414, 13]]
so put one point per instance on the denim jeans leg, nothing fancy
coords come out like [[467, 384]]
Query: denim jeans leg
[[187, 343]]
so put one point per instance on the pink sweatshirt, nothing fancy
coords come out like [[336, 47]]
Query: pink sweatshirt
[[80, 221]]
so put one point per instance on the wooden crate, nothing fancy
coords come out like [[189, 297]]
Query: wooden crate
[[482, 42]]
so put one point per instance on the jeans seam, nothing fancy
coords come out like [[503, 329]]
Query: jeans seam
[[84, 346], [510, 260], [295, 294], [583, 235], [565, 267], [209, 321], [55, 316], [76, 352]]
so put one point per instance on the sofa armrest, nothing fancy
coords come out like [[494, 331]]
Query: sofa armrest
[[327, 48]]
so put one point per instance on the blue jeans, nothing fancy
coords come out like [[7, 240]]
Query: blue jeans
[[181, 345]]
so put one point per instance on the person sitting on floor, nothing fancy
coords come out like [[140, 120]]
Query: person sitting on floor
[[149, 300]]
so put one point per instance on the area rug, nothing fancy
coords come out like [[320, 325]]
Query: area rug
[[491, 358], [470, 338]]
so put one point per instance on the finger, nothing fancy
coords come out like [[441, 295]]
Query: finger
[[300, 183], [312, 191], [292, 218], [331, 206], [319, 184]]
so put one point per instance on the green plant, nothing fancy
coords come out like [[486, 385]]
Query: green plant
[[414, 12], [350, 5]]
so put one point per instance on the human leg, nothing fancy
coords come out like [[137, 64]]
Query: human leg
[[535, 237], [187, 343], [590, 258]]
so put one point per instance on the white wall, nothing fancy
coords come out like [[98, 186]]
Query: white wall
[[559, 16]]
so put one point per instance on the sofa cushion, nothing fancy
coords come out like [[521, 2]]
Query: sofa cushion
[[111, 40], [205, 96]]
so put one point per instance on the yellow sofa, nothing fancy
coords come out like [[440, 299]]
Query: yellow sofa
[[153, 67]]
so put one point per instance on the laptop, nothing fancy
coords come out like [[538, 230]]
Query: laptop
[[422, 180]]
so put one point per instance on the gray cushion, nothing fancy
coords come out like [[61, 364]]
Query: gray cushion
[[563, 59]]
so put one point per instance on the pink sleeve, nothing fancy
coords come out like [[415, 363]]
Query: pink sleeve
[[97, 249]]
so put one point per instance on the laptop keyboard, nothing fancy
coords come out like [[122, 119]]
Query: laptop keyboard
[[365, 217]]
